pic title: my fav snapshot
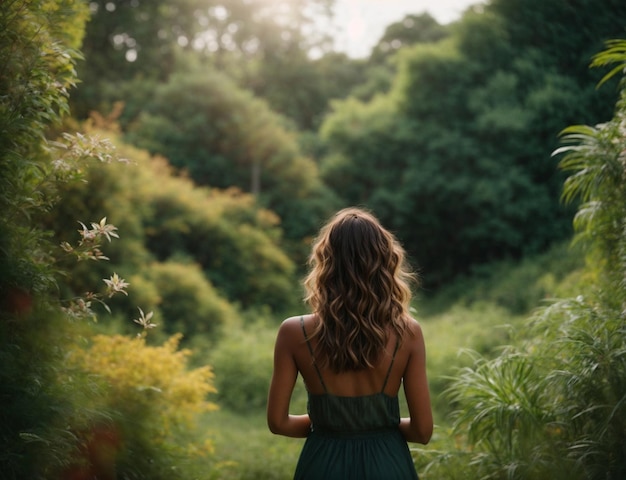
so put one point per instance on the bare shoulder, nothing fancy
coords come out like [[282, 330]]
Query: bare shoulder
[[414, 327], [290, 330], [290, 324], [415, 337]]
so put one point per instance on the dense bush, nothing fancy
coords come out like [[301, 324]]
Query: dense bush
[[55, 420], [167, 218], [455, 158], [37, 47], [154, 400], [243, 368], [554, 406], [516, 286], [224, 137], [187, 302], [243, 371]]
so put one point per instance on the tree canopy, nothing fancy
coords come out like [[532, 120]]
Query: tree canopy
[[458, 164], [204, 144]]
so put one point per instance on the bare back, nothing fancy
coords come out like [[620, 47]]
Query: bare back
[[386, 374], [292, 357]]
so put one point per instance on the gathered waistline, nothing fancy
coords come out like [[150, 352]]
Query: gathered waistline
[[357, 434]]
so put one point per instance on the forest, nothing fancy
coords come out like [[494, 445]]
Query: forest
[[165, 164]]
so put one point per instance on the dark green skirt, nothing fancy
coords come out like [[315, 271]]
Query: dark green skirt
[[376, 455]]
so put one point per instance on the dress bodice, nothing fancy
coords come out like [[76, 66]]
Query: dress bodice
[[367, 413]]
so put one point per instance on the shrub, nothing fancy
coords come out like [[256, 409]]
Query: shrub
[[154, 401], [188, 303], [243, 368], [555, 406]]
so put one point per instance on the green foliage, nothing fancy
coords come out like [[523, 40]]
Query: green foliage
[[224, 137], [155, 400], [243, 368], [615, 52], [517, 286], [568, 35], [262, 45], [482, 36], [595, 157], [473, 182], [481, 328], [299, 89], [233, 241], [214, 132], [333, 76], [456, 162], [366, 141], [127, 35], [52, 415], [166, 218], [37, 47], [412, 29], [592, 370], [507, 395], [587, 375], [555, 407], [35, 441], [187, 302]]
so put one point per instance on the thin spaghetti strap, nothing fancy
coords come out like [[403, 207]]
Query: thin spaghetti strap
[[395, 350], [319, 374]]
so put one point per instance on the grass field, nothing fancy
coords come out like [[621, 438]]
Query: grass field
[[246, 450]]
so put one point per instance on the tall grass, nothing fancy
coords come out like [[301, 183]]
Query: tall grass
[[555, 405], [244, 447]]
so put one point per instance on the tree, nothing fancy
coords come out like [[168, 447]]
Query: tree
[[224, 137], [470, 119], [128, 41], [368, 155], [51, 416], [301, 88], [222, 238], [555, 406], [411, 30]]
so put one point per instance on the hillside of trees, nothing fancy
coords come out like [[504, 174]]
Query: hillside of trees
[[165, 164]]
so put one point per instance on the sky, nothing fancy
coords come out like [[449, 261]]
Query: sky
[[361, 23]]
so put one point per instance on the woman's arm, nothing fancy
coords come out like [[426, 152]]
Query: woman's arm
[[284, 379], [419, 426]]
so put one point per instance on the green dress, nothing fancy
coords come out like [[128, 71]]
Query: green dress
[[354, 437]]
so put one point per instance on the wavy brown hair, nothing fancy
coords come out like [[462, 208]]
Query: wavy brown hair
[[359, 289]]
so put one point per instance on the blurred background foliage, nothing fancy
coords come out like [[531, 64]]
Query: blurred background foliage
[[216, 136]]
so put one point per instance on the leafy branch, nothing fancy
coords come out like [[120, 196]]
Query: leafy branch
[[88, 248]]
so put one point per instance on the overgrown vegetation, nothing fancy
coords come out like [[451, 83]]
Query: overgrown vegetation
[[59, 420], [554, 404], [199, 235], [446, 136]]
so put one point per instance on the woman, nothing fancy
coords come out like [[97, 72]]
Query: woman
[[355, 350]]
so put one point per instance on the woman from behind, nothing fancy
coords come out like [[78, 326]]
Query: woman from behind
[[354, 352]]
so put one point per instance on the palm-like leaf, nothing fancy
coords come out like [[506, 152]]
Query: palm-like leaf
[[615, 52], [557, 407], [504, 415], [595, 157]]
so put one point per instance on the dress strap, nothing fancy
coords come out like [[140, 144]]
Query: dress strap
[[395, 350], [319, 374]]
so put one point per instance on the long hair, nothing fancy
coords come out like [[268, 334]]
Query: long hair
[[358, 287]]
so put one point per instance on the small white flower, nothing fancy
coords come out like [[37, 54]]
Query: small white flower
[[116, 284], [144, 319]]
